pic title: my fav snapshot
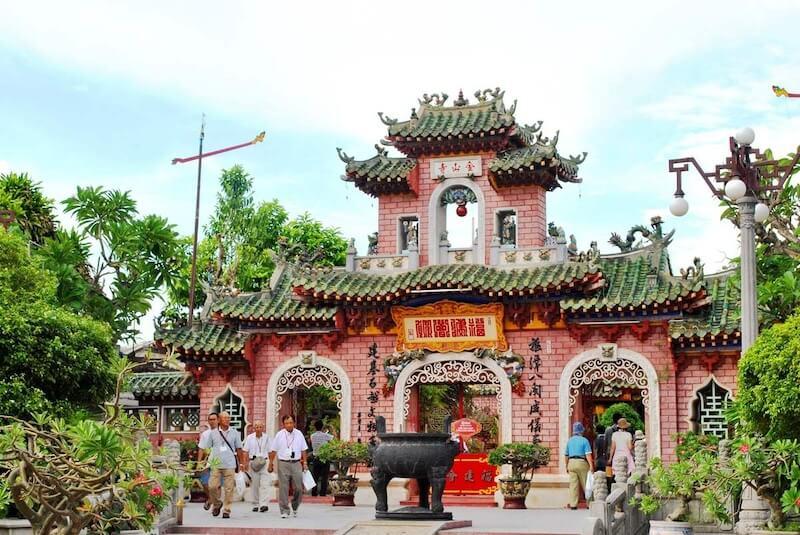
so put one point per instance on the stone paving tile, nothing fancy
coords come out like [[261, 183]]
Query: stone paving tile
[[320, 519]]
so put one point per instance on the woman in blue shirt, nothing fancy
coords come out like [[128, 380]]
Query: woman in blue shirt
[[579, 463]]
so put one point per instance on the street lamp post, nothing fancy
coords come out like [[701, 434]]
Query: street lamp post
[[744, 178]]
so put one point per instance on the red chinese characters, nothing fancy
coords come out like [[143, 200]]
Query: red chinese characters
[[476, 327]]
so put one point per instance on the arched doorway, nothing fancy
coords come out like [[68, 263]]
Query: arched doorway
[[441, 208], [619, 368], [308, 370], [454, 368]]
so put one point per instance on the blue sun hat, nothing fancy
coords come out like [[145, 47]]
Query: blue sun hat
[[577, 428]]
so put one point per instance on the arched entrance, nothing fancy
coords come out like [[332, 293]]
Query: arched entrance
[[437, 218], [451, 368], [308, 370], [615, 366]]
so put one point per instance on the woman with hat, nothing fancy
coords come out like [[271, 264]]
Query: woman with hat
[[578, 455], [622, 444]]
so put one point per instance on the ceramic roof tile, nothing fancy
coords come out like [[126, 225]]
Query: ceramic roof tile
[[163, 385], [206, 338], [721, 318], [637, 279], [380, 174], [340, 285]]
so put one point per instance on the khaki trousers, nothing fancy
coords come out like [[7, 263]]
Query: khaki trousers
[[289, 471], [226, 477], [259, 486], [578, 469]]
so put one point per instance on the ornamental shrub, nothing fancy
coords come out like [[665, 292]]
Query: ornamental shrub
[[768, 401], [343, 454], [523, 457], [627, 412]]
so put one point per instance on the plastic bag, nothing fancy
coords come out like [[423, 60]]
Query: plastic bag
[[308, 480], [241, 484], [587, 488]]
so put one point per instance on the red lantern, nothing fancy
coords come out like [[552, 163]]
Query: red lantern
[[461, 210]]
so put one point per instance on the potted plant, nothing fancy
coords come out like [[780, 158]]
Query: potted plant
[[678, 482], [343, 455], [524, 459]]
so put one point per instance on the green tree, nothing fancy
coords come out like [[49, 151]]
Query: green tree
[[768, 401], [52, 359], [626, 411], [238, 241], [34, 212], [136, 257]]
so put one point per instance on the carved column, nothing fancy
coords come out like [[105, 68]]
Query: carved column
[[350, 261], [620, 466], [444, 249], [747, 207], [640, 453], [413, 256], [599, 495], [494, 251]]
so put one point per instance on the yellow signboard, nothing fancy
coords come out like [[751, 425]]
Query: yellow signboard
[[450, 326]]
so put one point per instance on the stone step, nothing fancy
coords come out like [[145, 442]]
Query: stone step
[[196, 530]]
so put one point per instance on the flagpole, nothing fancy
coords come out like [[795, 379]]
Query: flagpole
[[193, 280]]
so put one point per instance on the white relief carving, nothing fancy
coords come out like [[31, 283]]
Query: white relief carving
[[451, 371], [300, 376], [620, 372]]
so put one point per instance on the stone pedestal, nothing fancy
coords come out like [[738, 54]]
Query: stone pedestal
[[754, 513]]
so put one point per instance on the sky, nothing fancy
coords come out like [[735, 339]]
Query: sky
[[108, 93]]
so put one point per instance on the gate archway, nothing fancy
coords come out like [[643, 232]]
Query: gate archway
[[307, 370]]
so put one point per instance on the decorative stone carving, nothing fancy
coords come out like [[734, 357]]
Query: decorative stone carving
[[172, 452], [621, 371], [639, 452], [372, 248], [411, 232], [608, 351], [600, 487], [308, 359], [397, 262], [620, 466], [300, 376], [511, 256], [451, 371], [364, 263], [509, 230]]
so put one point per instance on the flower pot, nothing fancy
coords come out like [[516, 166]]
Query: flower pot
[[343, 490], [665, 527], [15, 526], [514, 492]]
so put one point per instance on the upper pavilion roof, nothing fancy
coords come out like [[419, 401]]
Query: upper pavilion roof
[[524, 155]]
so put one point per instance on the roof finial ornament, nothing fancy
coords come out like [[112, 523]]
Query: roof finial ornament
[[513, 108], [554, 141], [435, 99], [579, 159], [460, 101], [414, 113], [381, 150], [694, 272], [343, 156], [387, 120]]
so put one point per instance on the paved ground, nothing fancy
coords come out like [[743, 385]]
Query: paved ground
[[318, 519]]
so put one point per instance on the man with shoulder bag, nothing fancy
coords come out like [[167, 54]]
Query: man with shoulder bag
[[256, 452], [226, 448]]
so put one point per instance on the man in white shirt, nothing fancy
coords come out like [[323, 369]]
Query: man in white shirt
[[289, 446], [256, 449], [202, 445]]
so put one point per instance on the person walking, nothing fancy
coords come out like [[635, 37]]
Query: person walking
[[291, 449], [622, 444], [610, 430], [319, 468], [579, 462], [226, 447], [256, 452], [600, 448], [203, 445]]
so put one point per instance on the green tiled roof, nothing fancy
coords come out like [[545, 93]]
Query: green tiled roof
[[277, 305], [634, 281], [207, 338], [478, 279], [431, 121], [163, 385], [531, 165], [379, 174], [721, 318]]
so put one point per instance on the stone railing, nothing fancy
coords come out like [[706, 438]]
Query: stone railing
[[382, 263], [614, 510], [460, 255], [553, 252]]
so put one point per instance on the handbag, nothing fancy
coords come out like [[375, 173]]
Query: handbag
[[258, 463], [587, 487], [235, 457], [308, 480]]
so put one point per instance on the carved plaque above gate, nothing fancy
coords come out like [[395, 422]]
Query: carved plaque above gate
[[450, 326]]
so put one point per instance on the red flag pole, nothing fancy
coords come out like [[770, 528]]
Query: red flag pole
[[199, 157]]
